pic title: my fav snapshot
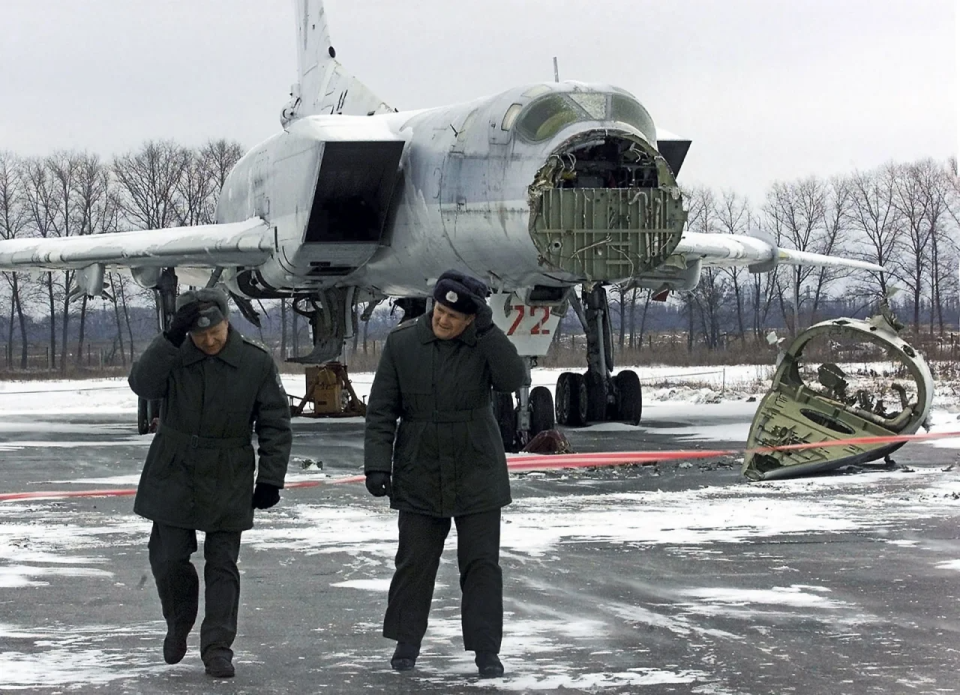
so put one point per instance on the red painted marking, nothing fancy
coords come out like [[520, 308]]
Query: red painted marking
[[520, 309], [546, 317]]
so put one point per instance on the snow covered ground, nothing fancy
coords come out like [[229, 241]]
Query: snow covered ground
[[647, 580], [713, 384]]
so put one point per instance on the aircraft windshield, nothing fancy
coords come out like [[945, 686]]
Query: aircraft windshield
[[544, 118]]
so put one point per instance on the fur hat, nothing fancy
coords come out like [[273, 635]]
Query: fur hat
[[460, 292], [213, 306]]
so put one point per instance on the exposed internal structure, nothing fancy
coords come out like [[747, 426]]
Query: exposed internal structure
[[606, 207], [839, 380]]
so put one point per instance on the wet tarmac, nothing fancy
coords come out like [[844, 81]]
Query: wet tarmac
[[676, 578]]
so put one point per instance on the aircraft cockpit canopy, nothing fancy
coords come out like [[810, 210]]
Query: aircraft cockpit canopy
[[545, 117]]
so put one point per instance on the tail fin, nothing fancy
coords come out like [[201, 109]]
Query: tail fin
[[324, 87]]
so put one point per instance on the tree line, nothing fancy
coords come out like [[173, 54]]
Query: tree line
[[68, 193], [903, 216]]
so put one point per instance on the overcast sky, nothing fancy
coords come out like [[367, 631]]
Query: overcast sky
[[766, 89]]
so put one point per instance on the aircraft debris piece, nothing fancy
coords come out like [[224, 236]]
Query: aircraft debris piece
[[329, 393], [836, 402]]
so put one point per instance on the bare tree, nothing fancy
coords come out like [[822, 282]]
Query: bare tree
[[13, 223], [936, 181], [194, 193], [42, 200], [734, 217], [707, 300], [876, 221], [798, 211], [65, 168], [911, 200], [148, 180], [219, 157], [97, 213], [835, 237]]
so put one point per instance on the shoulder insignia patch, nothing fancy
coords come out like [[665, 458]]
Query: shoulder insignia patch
[[409, 323], [256, 343]]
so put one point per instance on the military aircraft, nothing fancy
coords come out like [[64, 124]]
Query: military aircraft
[[551, 192]]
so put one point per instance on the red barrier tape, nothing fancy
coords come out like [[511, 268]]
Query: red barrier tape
[[542, 462]]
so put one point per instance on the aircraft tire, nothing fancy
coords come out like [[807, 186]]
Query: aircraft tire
[[596, 397], [143, 421], [503, 408], [541, 411], [629, 396], [571, 400], [562, 402]]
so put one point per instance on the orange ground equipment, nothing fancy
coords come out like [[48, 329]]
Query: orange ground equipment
[[329, 393]]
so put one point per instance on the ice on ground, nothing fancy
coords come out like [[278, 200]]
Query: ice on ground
[[75, 657], [365, 584]]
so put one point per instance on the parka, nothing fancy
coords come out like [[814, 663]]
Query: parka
[[199, 472], [446, 458]]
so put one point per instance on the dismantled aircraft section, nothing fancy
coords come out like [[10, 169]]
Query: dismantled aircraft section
[[883, 389]]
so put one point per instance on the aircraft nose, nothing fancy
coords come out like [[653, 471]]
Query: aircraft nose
[[609, 206]]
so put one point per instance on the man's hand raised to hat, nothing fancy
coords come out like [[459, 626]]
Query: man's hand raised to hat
[[484, 318], [182, 323]]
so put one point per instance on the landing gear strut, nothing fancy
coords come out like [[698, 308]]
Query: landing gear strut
[[524, 416], [165, 291], [597, 395]]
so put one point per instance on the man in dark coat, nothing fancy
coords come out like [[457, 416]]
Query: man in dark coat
[[446, 460], [199, 473]]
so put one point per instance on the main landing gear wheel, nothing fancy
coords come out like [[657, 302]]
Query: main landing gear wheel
[[143, 420], [571, 399], [147, 411], [596, 397], [505, 411], [541, 411], [629, 397]]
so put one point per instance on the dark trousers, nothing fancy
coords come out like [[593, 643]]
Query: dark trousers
[[481, 581], [179, 587]]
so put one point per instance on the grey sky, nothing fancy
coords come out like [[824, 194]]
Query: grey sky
[[766, 89]]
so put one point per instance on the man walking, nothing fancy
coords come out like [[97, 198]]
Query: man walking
[[445, 461], [199, 472]]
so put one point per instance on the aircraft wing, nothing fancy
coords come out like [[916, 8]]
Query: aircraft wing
[[735, 249], [237, 243]]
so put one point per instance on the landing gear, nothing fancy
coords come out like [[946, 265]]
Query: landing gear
[[629, 400], [524, 416], [506, 414], [147, 411], [597, 395], [331, 317], [541, 411], [571, 399], [165, 292]]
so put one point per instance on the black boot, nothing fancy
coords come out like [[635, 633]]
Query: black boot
[[488, 664], [175, 643], [219, 667], [405, 656]]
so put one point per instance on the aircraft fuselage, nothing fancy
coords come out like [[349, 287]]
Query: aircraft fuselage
[[407, 195]]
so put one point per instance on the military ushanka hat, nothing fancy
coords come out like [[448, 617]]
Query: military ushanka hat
[[460, 292], [212, 303]]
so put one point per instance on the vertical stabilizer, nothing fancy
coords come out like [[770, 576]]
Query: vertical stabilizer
[[323, 86]]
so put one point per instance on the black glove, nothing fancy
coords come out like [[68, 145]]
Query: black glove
[[182, 322], [378, 484], [265, 496], [484, 319]]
